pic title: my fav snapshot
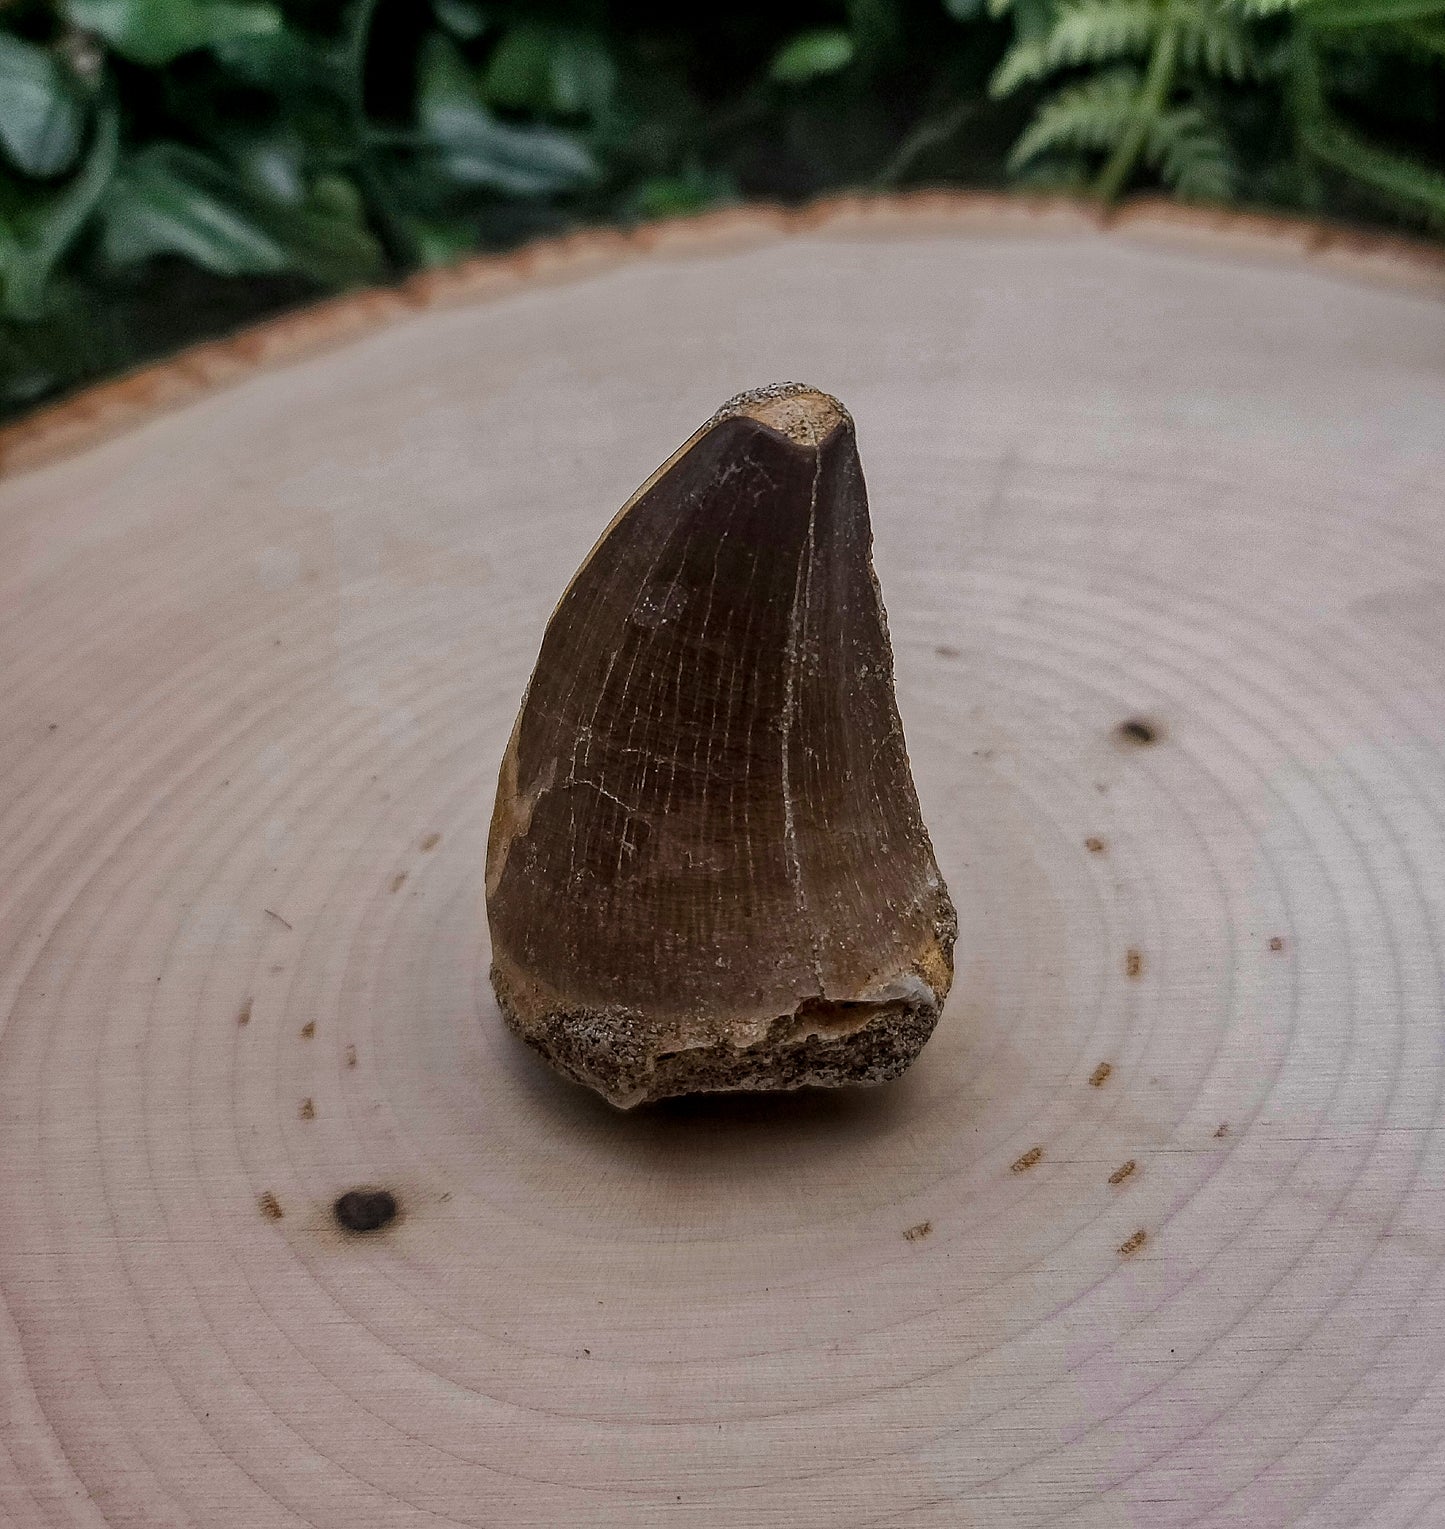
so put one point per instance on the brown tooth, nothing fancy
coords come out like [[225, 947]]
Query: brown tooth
[[707, 867]]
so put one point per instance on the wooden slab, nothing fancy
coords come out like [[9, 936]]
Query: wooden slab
[[1153, 1233]]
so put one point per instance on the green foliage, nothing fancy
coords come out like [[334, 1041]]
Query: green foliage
[[173, 200], [1179, 113], [551, 70], [474, 147], [810, 55], [41, 113], [155, 32], [1126, 118], [168, 167]]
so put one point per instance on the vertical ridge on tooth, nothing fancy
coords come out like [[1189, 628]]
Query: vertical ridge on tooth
[[707, 868]]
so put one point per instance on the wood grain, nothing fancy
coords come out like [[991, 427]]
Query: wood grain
[[261, 644]]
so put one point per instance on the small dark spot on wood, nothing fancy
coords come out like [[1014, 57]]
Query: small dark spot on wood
[[308, 1029], [919, 1232], [53, 726], [244, 1017], [278, 918], [351, 1056], [588, 1353], [1123, 1171], [1094, 846], [276, 969], [943, 650], [1222, 1132], [1133, 963], [1101, 1074], [308, 1109], [1276, 943], [365, 1210], [398, 881], [1139, 731], [431, 841], [270, 1206], [1131, 1245], [1027, 1161]]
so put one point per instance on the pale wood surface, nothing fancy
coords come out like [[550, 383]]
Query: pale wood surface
[[261, 652]]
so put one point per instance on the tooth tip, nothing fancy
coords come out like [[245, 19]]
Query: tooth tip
[[804, 414]]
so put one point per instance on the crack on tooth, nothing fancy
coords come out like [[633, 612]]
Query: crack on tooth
[[801, 589]]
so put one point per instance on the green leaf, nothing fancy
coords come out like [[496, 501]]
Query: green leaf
[[1365, 13], [477, 149], [1032, 18], [1190, 155], [171, 200], [153, 32], [1084, 32], [542, 68], [461, 18], [519, 73], [1093, 115], [325, 237], [34, 242], [31, 250], [669, 196], [272, 161], [174, 200], [1027, 60], [811, 55], [963, 10], [40, 109], [284, 62], [440, 241], [1404, 181], [1215, 41], [1100, 31]]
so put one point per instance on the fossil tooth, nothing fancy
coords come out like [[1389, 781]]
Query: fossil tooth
[[707, 867]]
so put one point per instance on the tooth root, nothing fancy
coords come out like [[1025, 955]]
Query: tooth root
[[707, 867]]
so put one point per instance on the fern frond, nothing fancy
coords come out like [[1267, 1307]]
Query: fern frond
[[1213, 40], [1094, 114], [1026, 60], [1084, 32], [1256, 9], [1190, 155]]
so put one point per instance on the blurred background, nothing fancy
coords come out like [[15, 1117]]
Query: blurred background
[[172, 168]]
